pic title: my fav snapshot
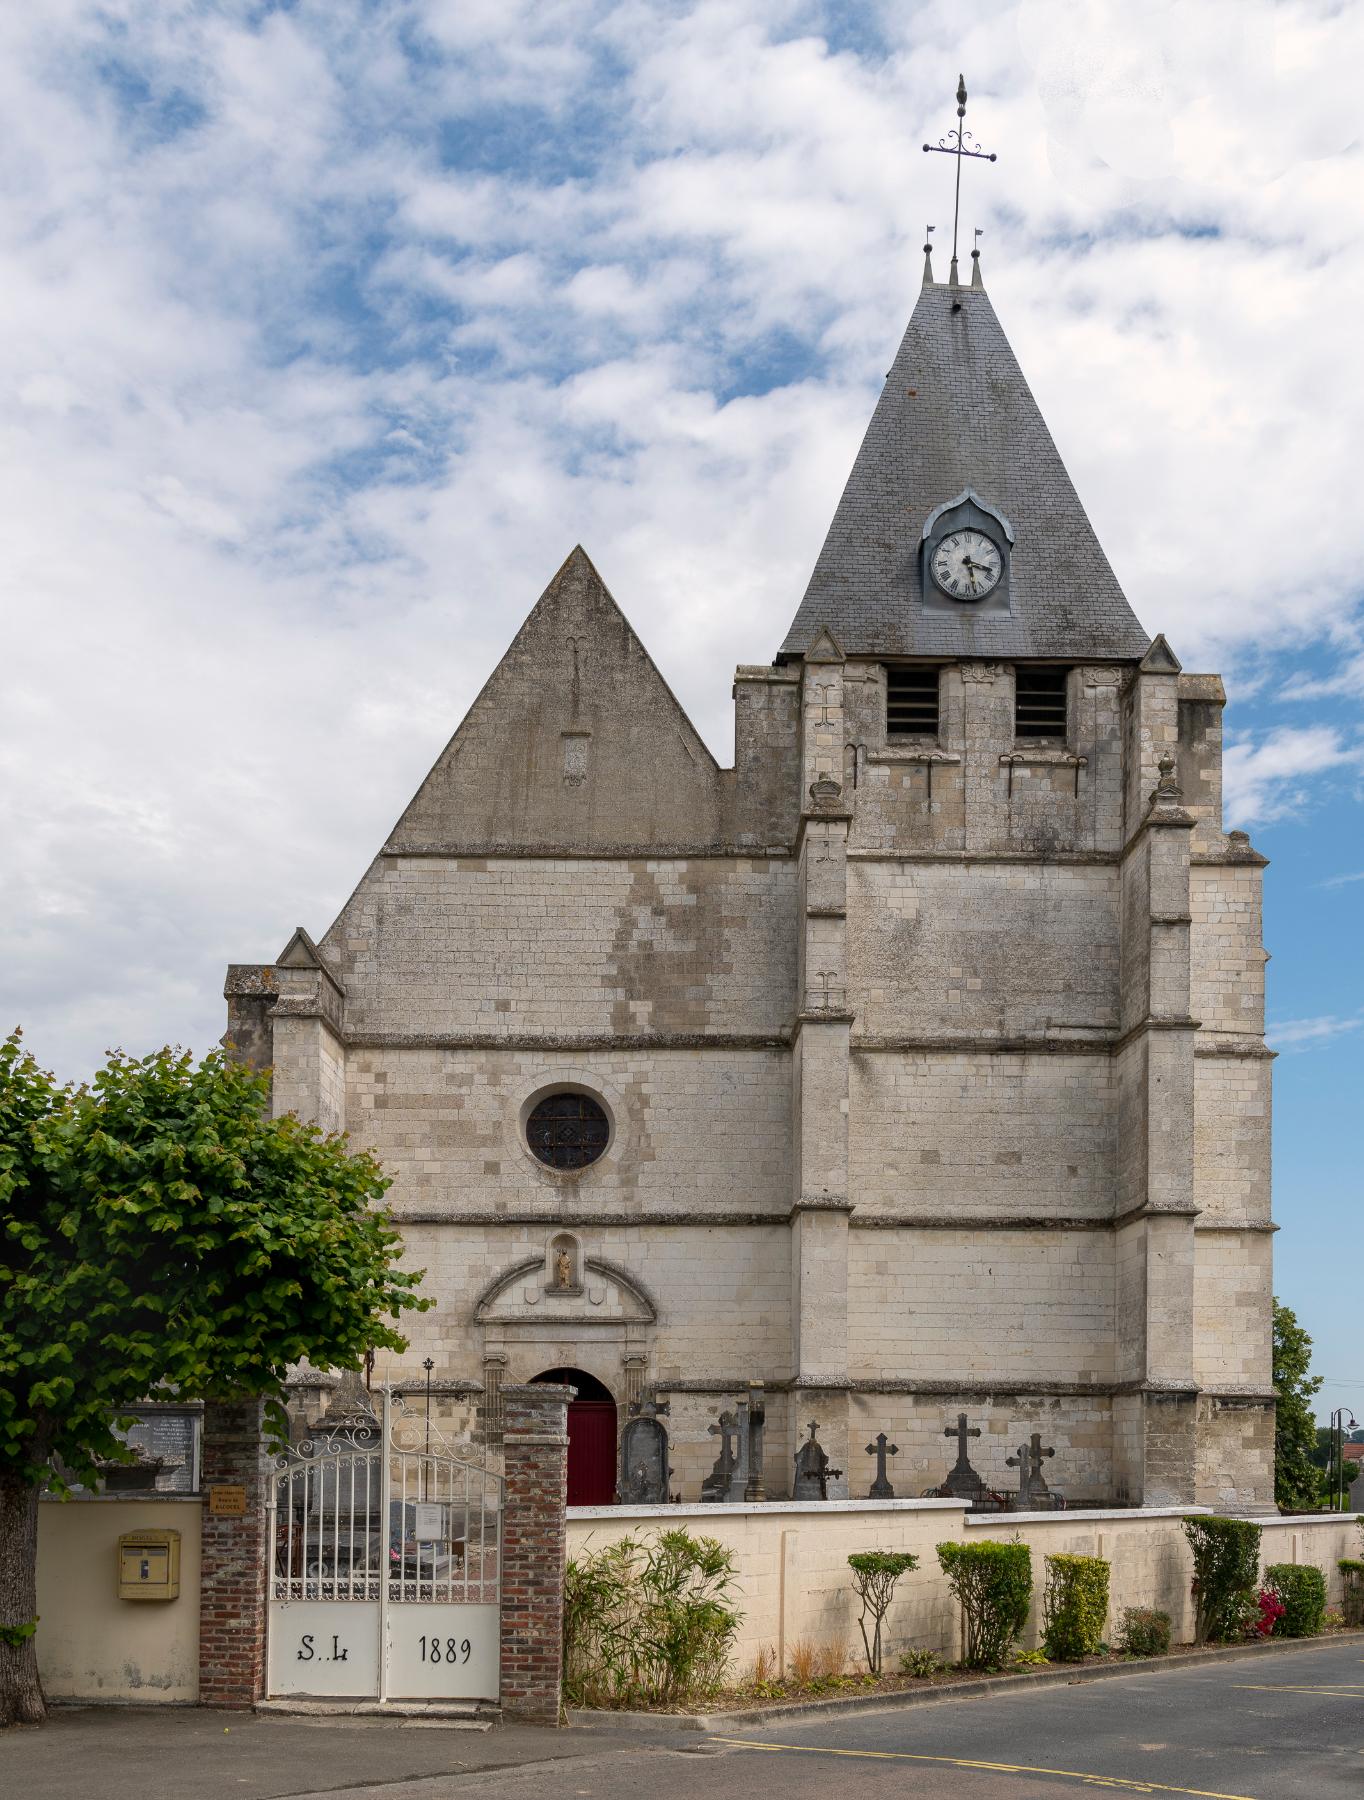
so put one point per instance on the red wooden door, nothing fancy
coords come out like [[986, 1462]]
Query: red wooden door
[[591, 1453]]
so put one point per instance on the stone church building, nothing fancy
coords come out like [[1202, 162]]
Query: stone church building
[[913, 1065]]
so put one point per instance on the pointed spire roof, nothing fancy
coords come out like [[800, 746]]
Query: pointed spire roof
[[956, 413]]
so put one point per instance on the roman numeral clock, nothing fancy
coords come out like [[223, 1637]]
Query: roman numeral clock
[[964, 555]]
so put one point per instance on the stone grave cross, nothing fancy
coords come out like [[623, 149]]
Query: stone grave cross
[[881, 1488], [1031, 1485], [963, 1483], [717, 1484]]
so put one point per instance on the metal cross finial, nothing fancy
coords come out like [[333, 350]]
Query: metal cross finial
[[956, 144]]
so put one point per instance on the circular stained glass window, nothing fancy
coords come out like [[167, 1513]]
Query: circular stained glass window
[[568, 1131]]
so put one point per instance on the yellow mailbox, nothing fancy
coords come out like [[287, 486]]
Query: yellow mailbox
[[149, 1565]]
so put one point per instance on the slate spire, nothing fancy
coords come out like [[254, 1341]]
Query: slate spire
[[957, 414]]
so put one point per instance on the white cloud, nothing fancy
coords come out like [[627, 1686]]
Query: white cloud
[[1311, 1034], [1265, 780], [316, 357]]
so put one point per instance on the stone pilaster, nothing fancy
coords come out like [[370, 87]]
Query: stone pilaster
[[232, 1557], [309, 1048], [535, 1448], [1155, 1408], [820, 1203]]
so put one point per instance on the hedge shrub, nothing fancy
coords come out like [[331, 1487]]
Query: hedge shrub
[[1074, 1607], [1226, 1554], [1303, 1592], [1352, 1574], [1144, 1632], [993, 1583]]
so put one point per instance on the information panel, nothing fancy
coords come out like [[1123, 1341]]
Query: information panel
[[326, 1648], [442, 1652]]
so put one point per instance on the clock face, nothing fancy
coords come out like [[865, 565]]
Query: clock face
[[967, 565]]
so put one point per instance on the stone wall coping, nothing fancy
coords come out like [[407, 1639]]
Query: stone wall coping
[[766, 1509], [1085, 1513], [1339, 1518], [130, 1497]]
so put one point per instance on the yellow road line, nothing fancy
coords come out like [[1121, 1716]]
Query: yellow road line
[[1129, 1784], [1345, 1690]]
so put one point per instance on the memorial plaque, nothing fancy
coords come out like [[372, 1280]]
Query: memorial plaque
[[227, 1502]]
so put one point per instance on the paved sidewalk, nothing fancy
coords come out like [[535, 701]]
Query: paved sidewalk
[[188, 1753]]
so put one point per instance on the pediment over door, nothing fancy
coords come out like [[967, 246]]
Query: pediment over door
[[609, 1295]]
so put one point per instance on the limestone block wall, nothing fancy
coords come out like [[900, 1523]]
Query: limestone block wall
[[697, 1128], [939, 948], [954, 1304], [1003, 1134], [722, 1299], [1231, 1139], [974, 784], [1232, 1323], [1226, 954], [505, 946], [1077, 1426], [793, 1575]]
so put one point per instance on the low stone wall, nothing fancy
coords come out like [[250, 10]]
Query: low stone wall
[[792, 1561], [91, 1644]]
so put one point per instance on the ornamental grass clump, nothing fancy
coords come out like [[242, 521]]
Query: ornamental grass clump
[[1226, 1554], [1145, 1631], [649, 1623], [1302, 1592], [1074, 1607], [875, 1573], [993, 1585]]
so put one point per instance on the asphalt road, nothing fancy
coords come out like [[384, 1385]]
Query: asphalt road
[[1256, 1728]]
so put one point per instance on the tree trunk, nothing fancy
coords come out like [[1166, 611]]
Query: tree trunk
[[21, 1692]]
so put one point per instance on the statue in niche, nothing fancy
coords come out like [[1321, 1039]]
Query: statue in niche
[[564, 1276], [563, 1267]]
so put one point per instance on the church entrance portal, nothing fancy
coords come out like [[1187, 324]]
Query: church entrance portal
[[591, 1439]]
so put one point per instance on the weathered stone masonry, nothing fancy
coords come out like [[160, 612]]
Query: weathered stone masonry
[[934, 1064]]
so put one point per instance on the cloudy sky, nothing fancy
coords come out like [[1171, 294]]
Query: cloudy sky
[[328, 328]]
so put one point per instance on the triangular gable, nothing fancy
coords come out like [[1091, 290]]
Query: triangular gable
[[576, 741], [956, 414], [302, 953], [1160, 659]]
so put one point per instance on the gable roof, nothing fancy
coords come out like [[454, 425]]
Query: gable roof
[[955, 414], [575, 742]]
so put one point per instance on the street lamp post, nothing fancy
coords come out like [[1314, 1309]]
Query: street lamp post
[[1338, 1430]]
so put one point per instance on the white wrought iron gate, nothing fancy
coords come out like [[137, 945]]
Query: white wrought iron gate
[[385, 1569]]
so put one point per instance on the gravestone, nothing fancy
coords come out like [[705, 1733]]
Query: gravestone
[[746, 1483], [813, 1473], [963, 1483], [644, 1471], [1033, 1493], [880, 1488], [715, 1487]]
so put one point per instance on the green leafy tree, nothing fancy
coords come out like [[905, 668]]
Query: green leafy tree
[[1298, 1483], [159, 1230]]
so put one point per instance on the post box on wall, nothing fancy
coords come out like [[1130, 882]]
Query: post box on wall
[[149, 1565]]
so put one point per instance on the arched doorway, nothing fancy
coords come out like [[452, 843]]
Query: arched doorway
[[591, 1438]]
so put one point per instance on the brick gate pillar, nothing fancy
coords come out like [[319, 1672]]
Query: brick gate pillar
[[535, 1446], [232, 1555]]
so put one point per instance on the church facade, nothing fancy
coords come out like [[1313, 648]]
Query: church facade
[[913, 1065]]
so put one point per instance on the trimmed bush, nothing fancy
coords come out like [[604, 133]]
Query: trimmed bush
[[1144, 1632], [1226, 1554], [875, 1573], [1074, 1607], [1302, 1590], [993, 1584], [1352, 1575]]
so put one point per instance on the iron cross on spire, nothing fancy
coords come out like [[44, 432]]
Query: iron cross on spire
[[957, 143]]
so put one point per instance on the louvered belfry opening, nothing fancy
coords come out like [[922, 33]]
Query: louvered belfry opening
[[1040, 702], [912, 700]]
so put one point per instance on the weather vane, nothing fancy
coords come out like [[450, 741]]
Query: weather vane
[[956, 144]]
